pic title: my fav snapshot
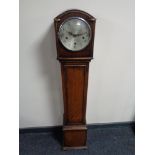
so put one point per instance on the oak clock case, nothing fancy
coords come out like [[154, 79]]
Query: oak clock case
[[74, 30]]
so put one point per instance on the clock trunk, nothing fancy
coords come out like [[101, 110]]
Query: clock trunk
[[74, 82]]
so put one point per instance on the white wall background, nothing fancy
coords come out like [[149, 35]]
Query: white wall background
[[111, 75]]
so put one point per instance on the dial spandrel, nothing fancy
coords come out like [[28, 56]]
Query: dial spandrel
[[75, 34]]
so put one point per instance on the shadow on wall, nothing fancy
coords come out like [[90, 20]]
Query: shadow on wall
[[50, 69]]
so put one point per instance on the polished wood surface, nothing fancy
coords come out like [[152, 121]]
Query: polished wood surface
[[74, 77], [75, 136], [74, 71]]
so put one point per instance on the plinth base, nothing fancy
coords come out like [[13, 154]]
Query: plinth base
[[74, 137]]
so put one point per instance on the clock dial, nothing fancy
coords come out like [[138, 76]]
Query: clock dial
[[74, 34]]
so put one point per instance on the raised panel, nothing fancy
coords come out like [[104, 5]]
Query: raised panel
[[75, 84]]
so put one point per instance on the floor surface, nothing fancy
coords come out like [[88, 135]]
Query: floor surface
[[117, 140]]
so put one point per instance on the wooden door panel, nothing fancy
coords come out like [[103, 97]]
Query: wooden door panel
[[75, 84]]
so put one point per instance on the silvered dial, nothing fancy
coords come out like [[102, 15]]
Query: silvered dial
[[74, 34]]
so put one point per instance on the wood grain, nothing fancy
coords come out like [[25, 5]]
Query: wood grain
[[75, 77]]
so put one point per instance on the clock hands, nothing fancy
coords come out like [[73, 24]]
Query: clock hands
[[76, 35], [71, 34]]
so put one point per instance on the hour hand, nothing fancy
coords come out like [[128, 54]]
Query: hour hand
[[80, 34], [76, 35], [71, 33]]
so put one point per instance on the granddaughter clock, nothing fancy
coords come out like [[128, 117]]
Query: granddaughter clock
[[74, 31]]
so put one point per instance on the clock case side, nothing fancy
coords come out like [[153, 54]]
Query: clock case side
[[62, 52]]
